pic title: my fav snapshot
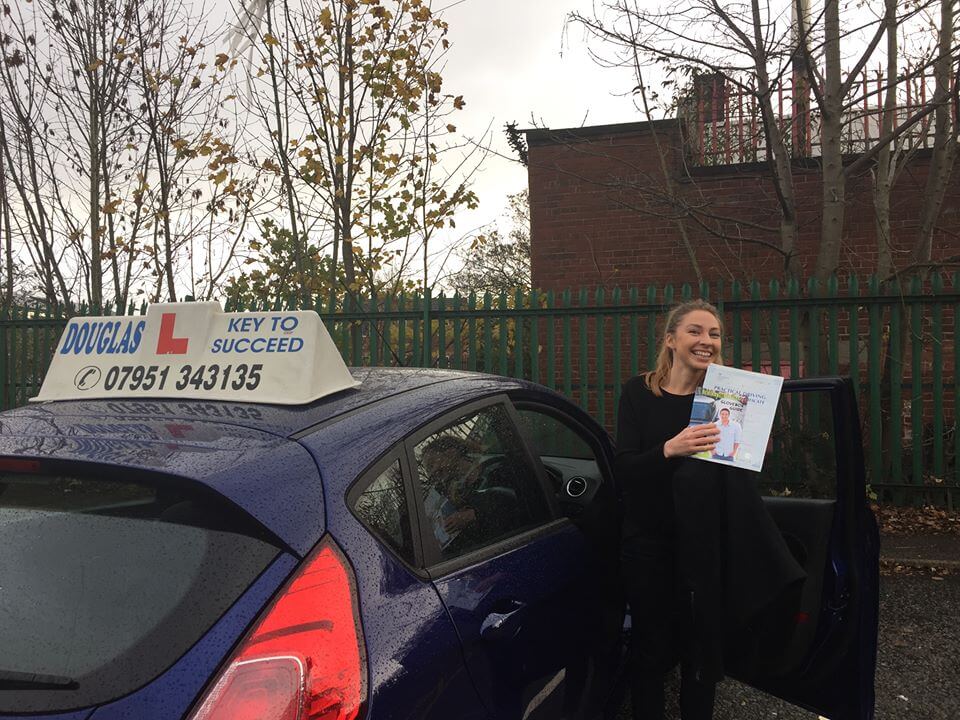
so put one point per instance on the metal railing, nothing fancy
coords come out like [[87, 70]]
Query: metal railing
[[898, 344]]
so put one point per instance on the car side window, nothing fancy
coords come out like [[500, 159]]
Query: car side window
[[569, 459], [382, 506], [801, 459], [551, 438], [476, 484]]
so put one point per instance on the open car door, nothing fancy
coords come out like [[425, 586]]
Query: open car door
[[813, 486]]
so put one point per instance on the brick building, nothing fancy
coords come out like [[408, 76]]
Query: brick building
[[598, 215]]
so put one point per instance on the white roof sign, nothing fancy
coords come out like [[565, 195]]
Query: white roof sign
[[197, 351]]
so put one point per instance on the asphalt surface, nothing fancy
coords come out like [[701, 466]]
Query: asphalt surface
[[918, 664]]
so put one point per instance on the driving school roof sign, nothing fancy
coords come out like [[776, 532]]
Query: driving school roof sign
[[197, 351]]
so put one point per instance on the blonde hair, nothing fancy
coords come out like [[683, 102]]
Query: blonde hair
[[656, 377]]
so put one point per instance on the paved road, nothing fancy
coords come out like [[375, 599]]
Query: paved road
[[917, 667]]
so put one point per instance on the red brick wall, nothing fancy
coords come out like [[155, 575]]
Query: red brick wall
[[595, 219]]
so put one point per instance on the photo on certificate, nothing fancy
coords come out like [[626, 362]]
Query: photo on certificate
[[742, 404]]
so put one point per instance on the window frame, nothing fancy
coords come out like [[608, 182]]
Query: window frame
[[432, 561], [581, 430], [395, 454], [810, 386]]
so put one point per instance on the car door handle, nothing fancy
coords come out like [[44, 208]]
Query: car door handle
[[504, 622]]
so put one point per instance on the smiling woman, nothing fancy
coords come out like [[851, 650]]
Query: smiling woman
[[675, 527], [652, 438]]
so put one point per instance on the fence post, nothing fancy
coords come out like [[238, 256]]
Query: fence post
[[599, 321], [755, 339], [896, 400], [518, 323], [875, 378], [427, 329], [916, 383], [937, 332], [774, 297], [735, 325], [584, 360], [551, 342], [853, 333], [833, 292], [441, 331]]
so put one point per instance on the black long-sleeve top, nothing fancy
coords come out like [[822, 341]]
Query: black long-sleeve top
[[644, 423], [693, 526]]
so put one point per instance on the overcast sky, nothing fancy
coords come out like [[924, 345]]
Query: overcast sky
[[512, 59]]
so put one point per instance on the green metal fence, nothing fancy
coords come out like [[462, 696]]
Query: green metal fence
[[898, 344]]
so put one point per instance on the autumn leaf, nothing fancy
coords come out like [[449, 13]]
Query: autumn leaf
[[458, 102], [110, 207], [195, 83], [326, 19], [94, 66], [221, 60], [451, 128], [270, 39], [220, 176]]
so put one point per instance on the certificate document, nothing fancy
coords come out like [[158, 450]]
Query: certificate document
[[743, 405]]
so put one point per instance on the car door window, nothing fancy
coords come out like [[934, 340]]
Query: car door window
[[477, 486], [380, 503], [801, 454], [568, 457]]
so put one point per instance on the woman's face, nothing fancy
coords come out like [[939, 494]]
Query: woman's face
[[696, 342]]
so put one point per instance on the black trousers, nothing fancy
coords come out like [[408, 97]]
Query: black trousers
[[647, 689], [660, 639]]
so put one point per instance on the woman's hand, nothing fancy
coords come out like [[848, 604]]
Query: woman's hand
[[692, 440]]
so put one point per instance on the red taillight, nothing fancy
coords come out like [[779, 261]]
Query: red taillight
[[19, 466], [304, 658]]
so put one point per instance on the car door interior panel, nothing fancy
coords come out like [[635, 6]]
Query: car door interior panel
[[805, 525], [819, 651]]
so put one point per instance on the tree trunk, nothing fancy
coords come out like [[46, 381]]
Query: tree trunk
[[7, 233], [800, 113], [886, 161], [282, 144], [777, 154], [944, 142], [831, 231], [96, 287]]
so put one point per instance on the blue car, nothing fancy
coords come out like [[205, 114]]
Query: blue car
[[429, 544]]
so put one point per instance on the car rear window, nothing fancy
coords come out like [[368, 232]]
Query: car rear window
[[104, 584]]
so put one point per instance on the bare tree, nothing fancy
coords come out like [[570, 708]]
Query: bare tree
[[752, 48], [119, 155], [183, 124], [361, 135]]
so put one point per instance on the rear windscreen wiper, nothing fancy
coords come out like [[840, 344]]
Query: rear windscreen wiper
[[16, 680]]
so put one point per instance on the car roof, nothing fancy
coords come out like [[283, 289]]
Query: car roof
[[237, 448], [285, 420]]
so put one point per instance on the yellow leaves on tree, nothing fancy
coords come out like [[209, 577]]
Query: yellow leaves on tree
[[326, 19]]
